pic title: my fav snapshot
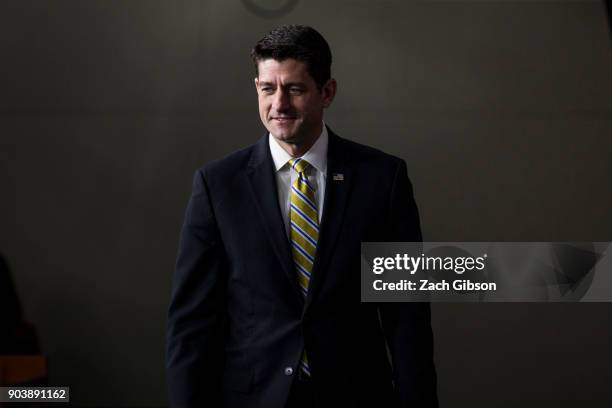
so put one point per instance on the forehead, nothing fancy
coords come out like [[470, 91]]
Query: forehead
[[285, 70]]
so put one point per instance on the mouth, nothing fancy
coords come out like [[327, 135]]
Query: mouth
[[283, 119]]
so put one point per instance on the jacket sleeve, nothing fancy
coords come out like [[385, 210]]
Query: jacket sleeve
[[194, 363], [407, 326]]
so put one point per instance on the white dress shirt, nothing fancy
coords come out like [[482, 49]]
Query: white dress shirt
[[316, 156]]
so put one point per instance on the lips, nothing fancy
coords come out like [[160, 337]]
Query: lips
[[284, 121]]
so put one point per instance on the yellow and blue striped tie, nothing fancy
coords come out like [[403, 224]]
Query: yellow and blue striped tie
[[304, 219]]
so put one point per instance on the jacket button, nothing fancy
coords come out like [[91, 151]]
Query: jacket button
[[288, 371]]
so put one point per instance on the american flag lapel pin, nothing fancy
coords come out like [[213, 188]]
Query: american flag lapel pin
[[338, 177]]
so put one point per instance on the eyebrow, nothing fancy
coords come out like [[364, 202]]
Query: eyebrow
[[287, 85]]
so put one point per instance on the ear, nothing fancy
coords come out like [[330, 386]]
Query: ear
[[256, 82], [329, 92]]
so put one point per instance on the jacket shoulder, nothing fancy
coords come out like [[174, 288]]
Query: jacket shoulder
[[371, 157], [229, 163], [221, 172]]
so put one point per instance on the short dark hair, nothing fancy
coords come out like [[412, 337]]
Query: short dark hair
[[298, 42]]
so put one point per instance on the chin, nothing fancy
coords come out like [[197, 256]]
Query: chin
[[291, 139], [284, 135]]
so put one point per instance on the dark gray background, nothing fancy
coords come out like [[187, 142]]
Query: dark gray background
[[502, 110]]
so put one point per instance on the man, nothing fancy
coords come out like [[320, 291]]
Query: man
[[266, 310]]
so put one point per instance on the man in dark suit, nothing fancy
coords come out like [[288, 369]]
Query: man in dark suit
[[265, 309]]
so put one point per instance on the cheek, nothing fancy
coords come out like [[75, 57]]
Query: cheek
[[306, 108], [301, 106], [263, 106]]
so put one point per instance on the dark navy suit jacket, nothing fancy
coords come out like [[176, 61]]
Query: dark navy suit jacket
[[237, 322]]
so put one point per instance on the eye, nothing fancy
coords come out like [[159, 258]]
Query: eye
[[296, 90], [267, 89]]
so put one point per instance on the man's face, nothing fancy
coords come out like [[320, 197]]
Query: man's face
[[290, 103]]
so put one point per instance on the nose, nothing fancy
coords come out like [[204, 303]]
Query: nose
[[281, 100]]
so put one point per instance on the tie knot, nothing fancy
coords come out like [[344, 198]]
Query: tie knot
[[299, 165]]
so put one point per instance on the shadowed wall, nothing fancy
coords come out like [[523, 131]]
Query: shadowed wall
[[502, 110]]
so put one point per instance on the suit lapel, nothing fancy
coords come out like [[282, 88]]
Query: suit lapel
[[265, 196], [337, 189]]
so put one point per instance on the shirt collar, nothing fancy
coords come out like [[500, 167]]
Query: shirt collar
[[316, 156]]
